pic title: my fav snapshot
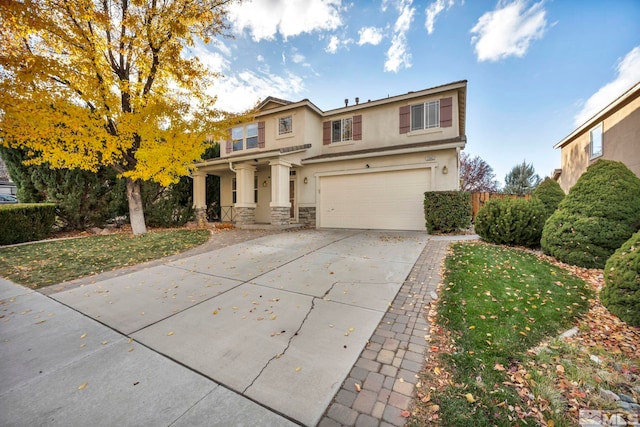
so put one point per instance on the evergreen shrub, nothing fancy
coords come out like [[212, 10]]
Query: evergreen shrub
[[511, 221], [447, 211], [600, 213], [550, 194], [621, 294], [26, 222]]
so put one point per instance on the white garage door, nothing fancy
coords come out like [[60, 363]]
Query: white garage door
[[390, 200]]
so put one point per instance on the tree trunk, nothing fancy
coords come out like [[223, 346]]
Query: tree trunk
[[136, 213]]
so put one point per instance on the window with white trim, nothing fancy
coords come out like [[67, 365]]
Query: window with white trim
[[234, 192], [237, 136], [595, 142], [425, 116], [342, 130], [252, 135], [285, 125], [241, 133]]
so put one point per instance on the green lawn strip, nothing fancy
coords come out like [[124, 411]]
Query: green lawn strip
[[47, 263], [498, 302]]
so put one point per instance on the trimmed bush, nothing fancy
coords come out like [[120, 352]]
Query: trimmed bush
[[550, 194], [514, 222], [600, 213], [447, 211], [26, 222], [621, 295]]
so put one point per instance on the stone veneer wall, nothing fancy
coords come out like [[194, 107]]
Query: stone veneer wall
[[280, 216], [200, 216], [307, 216], [245, 215]]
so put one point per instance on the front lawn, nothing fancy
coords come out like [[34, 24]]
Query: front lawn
[[495, 304], [50, 262]]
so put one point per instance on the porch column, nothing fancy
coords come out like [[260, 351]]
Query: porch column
[[200, 197], [245, 205], [280, 204]]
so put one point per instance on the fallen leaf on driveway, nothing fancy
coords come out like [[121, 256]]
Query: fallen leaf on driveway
[[82, 386], [405, 414], [170, 333]]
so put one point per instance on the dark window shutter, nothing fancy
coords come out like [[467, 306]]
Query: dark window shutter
[[357, 127], [326, 133], [229, 143], [405, 118], [446, 112], [260, 134]]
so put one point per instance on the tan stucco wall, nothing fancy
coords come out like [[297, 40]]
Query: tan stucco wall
[[381, 126], [621, 142]]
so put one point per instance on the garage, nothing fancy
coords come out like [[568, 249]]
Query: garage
[[385, 200]]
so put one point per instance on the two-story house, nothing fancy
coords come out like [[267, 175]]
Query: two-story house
[[612, 134], [366, 165]]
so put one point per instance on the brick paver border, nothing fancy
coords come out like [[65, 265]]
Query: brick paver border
[[387, 370]]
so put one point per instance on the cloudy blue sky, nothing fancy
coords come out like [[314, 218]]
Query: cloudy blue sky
[[535, 70]]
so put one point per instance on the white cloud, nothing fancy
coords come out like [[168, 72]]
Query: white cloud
[[628, 74], [398, 55], [265, 19], [297, 58], [335, 43], [508, 30], [371, 35], [241, 91], [433, 10], [260, 58], [214, 61]]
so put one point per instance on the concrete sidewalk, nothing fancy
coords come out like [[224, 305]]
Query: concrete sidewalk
[[282, 320]]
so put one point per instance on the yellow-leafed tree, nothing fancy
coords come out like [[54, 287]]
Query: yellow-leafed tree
[[90, 83]]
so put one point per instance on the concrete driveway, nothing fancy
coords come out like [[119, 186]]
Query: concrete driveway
[[279, 320]]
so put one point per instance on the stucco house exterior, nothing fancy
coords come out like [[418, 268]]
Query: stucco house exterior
[[612, 134], [365, 165]]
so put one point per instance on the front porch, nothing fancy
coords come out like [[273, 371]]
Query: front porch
[[255, 193]]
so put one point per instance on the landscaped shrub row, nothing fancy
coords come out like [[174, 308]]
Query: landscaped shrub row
[[447, 211], [511, 221], [621, 295], [600, 213], [26, 222], [550, 194]]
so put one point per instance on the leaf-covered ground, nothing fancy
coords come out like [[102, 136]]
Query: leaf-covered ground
[[547, 382], [49, 262]]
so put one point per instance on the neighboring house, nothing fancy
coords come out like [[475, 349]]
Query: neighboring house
[[365, 165], [612, 134]]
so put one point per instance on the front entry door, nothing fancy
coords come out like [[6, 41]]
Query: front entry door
[[292, 199]]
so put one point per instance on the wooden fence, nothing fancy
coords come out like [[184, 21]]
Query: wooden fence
[[479, 199]]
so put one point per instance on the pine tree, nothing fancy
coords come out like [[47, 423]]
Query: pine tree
[[521, 180]]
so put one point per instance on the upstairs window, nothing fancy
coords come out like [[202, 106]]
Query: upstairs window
[[342, 130], [595, 143], [237, 137], [285, 125], [252, 136], [425, 116], [250, 133]]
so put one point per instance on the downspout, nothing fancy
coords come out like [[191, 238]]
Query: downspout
[[231, 167]]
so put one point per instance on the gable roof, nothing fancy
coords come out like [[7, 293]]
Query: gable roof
[[284, 105], [618, 103]]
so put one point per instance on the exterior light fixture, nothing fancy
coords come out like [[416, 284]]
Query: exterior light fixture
[[445, 170], [264, 183], [306, 180]]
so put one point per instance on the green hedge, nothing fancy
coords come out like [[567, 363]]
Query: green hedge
[[509, 221], [621, 295], [26, 222], [447, 211], [600, 213], [550, 194]]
